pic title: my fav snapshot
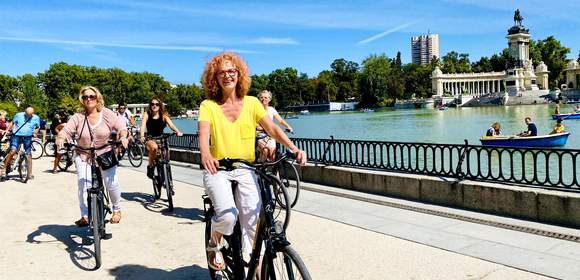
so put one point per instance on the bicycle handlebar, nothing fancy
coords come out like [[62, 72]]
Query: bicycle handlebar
[[229, 164], [160, 137], [92, 149]]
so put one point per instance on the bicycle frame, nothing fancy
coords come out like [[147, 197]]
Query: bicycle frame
[[97, 195], [163, 177], [266, 229]]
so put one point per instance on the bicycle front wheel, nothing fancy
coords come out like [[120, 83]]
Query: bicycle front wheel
[[289, 177], [168, 185], [23, 169], [280, 201], [285, 264], [157, 182], [37, 149], [96, 224], [135, 154], [65, 161], [50, 148]]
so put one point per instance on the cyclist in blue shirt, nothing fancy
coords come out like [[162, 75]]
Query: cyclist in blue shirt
[[24, 126]]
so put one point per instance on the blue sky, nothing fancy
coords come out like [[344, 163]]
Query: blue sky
[[174, 38]]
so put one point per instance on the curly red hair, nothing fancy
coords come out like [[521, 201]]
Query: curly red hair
[[209, 80]]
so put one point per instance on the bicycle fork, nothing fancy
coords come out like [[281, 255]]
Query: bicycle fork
[[97, 191]]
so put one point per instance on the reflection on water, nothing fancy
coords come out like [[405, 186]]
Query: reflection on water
[[422, 125]]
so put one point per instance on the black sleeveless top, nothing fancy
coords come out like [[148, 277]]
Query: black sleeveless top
[[155, 127]]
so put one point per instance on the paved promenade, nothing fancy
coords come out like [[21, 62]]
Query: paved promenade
[[338, 238]]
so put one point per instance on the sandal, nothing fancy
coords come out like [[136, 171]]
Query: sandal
[[82, 222], [116, 218], [218, 258]]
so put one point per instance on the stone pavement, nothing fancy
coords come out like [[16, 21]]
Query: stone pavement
[[338, 238]]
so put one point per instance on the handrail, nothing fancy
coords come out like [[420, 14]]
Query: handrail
[[548, 168]]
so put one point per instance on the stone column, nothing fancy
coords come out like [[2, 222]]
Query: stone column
[[469, 88]]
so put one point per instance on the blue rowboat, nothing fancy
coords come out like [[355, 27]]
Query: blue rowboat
[[566, 116], [544, 141]]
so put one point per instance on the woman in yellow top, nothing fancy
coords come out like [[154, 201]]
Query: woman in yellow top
[[230, 117]]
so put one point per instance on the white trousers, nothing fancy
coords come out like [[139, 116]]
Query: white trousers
[[85, 179], [246, 205]]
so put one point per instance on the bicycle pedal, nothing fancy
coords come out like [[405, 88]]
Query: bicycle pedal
[[107, 236]]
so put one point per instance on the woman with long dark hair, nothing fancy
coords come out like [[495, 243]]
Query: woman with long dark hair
[[155, 119]]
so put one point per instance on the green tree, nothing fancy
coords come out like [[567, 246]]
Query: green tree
[[499, 61], [32, 95], [374, 82], [554, 56], [454, 62], [188, 96], [345, 76], [8, 89], [259, 83], [283, 83], [482, 65], [325, 88], [306, 88]]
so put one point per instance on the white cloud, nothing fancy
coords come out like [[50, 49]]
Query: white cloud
[[121, 45], [274, 41], [383, 34]]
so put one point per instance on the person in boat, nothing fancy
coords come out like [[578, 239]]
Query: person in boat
[[577, 109], [557, 110], [558, 128], [494, 130], [532, 129]]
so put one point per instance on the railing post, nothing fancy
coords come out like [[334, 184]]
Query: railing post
[[459, 174], [330, 143]]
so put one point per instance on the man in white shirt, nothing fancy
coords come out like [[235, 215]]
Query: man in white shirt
[[123, 112]]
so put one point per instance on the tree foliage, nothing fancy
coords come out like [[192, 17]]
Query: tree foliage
[[377, 81]]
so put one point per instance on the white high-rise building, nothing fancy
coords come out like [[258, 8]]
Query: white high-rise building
[[424, 48]]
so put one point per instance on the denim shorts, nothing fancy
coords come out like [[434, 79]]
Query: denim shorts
[[25, 140]]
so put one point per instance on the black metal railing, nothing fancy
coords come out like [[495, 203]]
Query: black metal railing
[[548, 168]]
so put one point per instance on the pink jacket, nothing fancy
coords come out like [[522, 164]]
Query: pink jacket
[[79, 127]]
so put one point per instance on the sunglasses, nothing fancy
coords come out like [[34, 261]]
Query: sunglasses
[[88, 97], [120, 108], [154, 104]]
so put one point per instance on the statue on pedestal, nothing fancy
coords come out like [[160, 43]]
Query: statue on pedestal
[[518, 18]]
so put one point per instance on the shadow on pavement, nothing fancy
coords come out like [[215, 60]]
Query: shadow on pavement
[[80, 253], [160, 206], [135, 271]]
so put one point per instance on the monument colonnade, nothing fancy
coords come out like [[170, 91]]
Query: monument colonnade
[[474, 84]]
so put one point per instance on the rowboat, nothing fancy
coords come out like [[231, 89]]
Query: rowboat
[[544, 141], [566, 116]]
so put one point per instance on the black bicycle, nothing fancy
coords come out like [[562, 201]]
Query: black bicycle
[[98, 201], [50, 147], [134, 150], [280, 260], [285, 170], [162, 178], [67, 155], [19, 161]]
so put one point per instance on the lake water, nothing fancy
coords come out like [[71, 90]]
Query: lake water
[[423, 125]]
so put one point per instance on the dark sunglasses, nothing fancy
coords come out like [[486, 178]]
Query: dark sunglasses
[[89, 97], [121, 108], [154, 104]]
